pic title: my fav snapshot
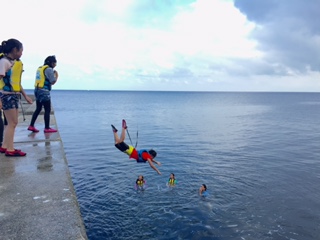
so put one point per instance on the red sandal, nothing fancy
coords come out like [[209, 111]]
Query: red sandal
[[33, 129], [15, 153], [124, 124]]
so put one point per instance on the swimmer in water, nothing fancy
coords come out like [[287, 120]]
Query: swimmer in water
[[203, 190], [172, 181], [140, 183]]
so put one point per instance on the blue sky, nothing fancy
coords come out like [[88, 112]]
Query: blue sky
[[187, 45]]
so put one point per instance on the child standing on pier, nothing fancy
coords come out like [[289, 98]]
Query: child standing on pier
[[10, 92]]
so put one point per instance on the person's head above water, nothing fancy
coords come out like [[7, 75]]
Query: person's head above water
[[153, 153]]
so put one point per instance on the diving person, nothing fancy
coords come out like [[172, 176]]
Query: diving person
[[141, 156]]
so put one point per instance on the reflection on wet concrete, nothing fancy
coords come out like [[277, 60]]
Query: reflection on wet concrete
[[36, 191], [45, 163], [7, 167]]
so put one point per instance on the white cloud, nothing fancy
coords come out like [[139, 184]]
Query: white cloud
[[215, 28], [128, 44]]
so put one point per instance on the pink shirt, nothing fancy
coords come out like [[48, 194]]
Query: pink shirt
[[5, 65]]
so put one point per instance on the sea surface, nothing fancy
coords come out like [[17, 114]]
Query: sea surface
[[258, 154]]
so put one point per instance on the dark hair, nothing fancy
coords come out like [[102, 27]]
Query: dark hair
[[205, 187], [172, 174], [153, 153], [50, 60], [9, 45]]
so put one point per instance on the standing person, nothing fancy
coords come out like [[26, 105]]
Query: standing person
[[10, 92], [45, 78], [141, 155], [1, 126], [16, 75], [172, 181]]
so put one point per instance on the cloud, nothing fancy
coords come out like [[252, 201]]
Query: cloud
[[177, 39], [206, 45], [287, 32]]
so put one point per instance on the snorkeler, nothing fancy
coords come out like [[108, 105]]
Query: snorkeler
[[139, 155]]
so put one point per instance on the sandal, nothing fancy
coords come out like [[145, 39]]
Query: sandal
[[114, 129], [15, 153], [124, 124]]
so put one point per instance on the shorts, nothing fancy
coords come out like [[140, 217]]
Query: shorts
[[123, 147], [10, 101], [42, 95]]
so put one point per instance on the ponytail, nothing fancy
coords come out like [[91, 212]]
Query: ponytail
[[7, 46]]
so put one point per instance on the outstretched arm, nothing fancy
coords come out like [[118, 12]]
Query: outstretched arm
[[158, 163], [150, 161]]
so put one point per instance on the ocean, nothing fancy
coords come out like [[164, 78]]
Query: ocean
[[258, 154]]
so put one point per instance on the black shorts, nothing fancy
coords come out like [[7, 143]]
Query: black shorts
[[122, 146]]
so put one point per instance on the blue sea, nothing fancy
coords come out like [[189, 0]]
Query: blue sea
[[258, 154]]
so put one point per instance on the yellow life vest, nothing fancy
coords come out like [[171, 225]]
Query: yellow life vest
[[16, 74], [140, 182], [1, 80], [172, 181], [11, 82], [40, 76]]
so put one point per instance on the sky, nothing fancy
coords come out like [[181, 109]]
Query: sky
[[170, 45]]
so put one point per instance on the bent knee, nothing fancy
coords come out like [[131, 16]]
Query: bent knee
[[13, 123]]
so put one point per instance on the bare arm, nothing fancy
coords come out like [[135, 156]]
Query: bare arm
[[28, 99], [1, 76], [158, 163], [150, 161]]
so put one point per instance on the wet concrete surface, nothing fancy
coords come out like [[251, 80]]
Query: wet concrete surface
[[37, 198]]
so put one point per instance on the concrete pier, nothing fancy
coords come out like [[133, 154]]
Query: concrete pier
[[37, 198]]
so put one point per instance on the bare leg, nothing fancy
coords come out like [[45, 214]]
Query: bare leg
[[123, 135], [115, 134], [12, 118], [123, 131], [116, 138]]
